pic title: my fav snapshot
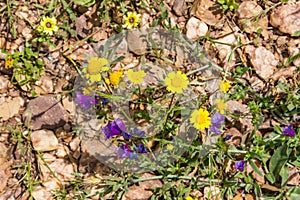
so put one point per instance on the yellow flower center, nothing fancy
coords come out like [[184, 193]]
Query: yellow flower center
[[176, 81]]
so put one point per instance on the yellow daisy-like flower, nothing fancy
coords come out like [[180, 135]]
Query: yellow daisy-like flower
[[200, 118], [48, 25], [95, 66], [131, 20], [224, 86], [189, 198], [114, 77], [89, 90], [221, 105], [170, 147], [176, 82], [9, 62], [136, 77]]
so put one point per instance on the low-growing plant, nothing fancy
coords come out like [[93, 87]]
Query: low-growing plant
[[228, 4]]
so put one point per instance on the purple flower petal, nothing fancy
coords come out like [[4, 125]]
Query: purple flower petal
[[127, 136], [133, 156], [214, 129], [120, 125], [288, 131], [124, 151], [240, 165], [104, 100], [138, 132], [141, 148], [109, 130], [217, 119], [85, 102], [115, 128], [228, 137]]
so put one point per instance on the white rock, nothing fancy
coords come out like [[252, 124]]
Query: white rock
[[74, 144], [286, 18], [41, 193], [262, 60], [195, 28], [4, 83], [68, 104], [9, 108], [246, 12], [61, 151], [225, 50], [43, 140]]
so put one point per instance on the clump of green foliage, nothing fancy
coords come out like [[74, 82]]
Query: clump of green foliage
[[228, 4]]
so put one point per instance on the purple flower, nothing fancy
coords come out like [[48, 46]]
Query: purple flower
[[227, 137], [133, 156], [141, 148], [214, 129], [118, 124], [217, 119], [216, 122], [102, 99], [138, 132], [124, 151], [114, 128], [127, 136], [85, 102], [240, 165], [288, 131]]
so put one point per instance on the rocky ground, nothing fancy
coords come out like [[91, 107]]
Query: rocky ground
[[257, 46]]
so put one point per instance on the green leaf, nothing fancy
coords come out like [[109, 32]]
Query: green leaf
[[257, 190], [294, 193], [296, 34], [284, 173], [278, 129], [255, 168], [279, 159], [221, 1], [86, 3], [248, 187], [270, 177], [291, 107], [292, 58]]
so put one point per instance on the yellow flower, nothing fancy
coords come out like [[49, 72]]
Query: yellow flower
[[176, 82], [131, 20], [189, 198], [48, 25], [9, 62], [114, 77], [200, 118], [170, 147], [136, 77], [224, 86], [95, 66], [221, 105], [89, 90]]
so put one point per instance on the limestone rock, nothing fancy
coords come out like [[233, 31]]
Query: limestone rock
[[286, 18], [249, 10], [43, 140], [209, 12], [136, 42], [262, 60], [195, 28], [10, 107]]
